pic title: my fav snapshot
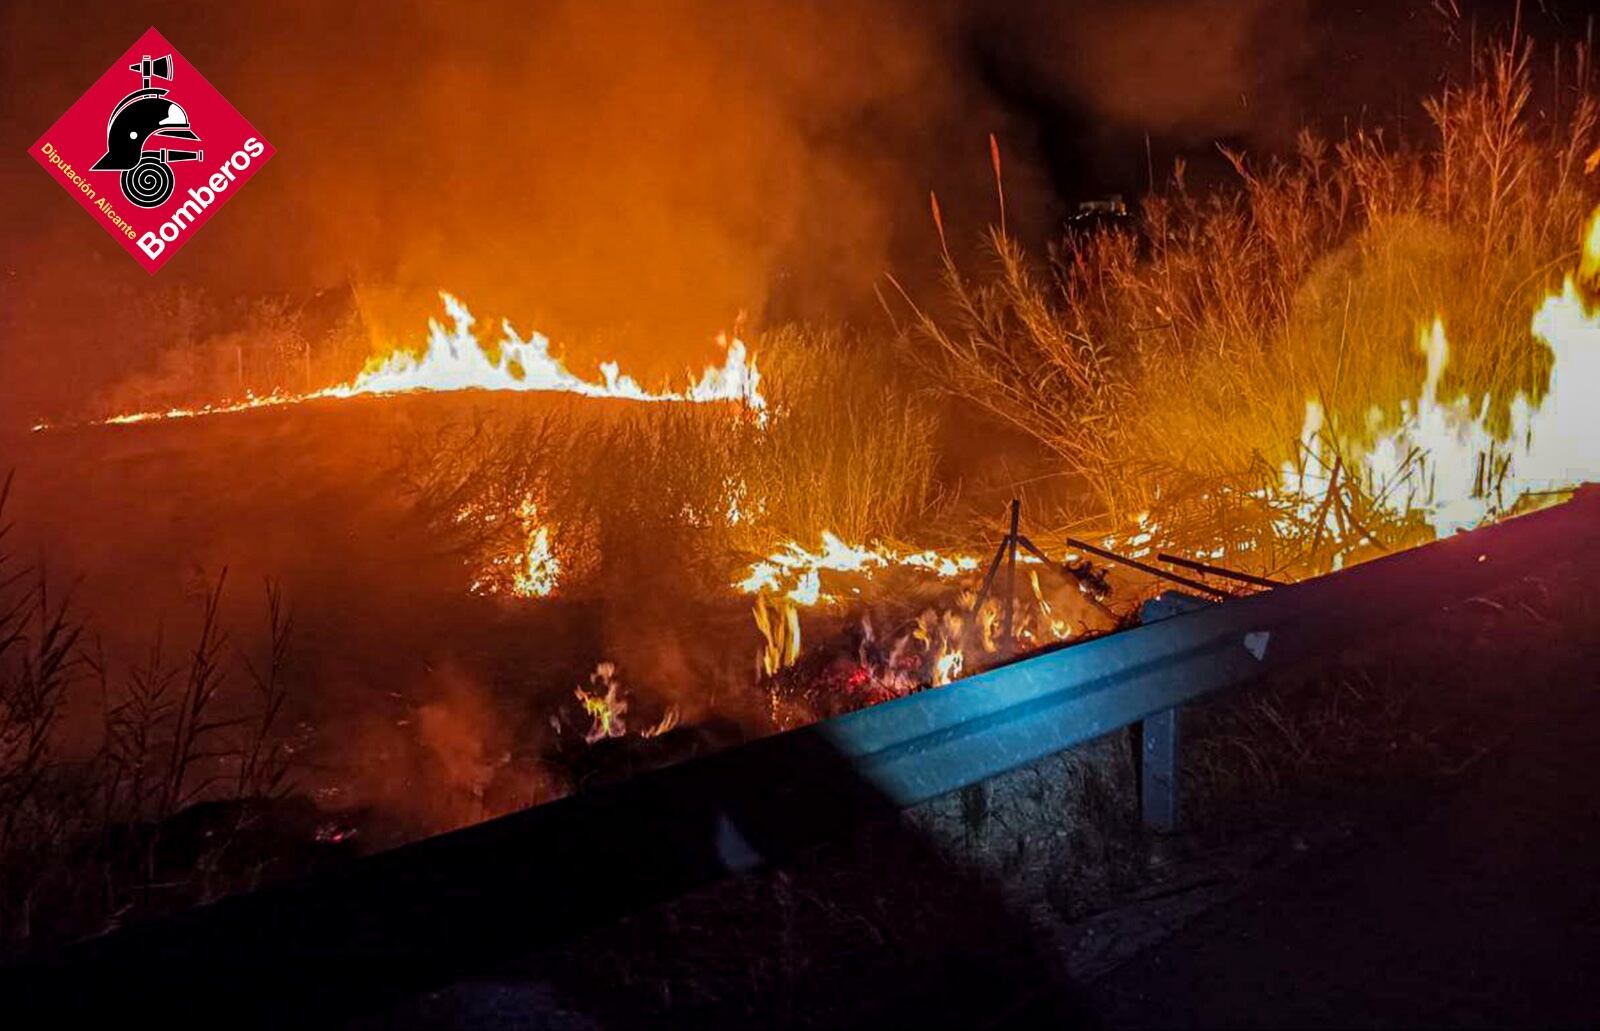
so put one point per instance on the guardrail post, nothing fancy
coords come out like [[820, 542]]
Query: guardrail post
[[1158, 772]]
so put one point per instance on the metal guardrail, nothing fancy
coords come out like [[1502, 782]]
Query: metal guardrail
[[506, 887], [925, 745]]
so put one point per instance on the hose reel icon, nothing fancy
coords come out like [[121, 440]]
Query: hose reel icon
[[147, 178], [148, 183]]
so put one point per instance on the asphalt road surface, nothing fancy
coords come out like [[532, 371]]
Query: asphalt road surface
[[1483, 910]]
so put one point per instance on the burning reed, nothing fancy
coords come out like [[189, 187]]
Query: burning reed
[[1230, 367]]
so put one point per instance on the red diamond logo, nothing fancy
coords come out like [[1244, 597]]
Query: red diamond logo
[[151, 151]]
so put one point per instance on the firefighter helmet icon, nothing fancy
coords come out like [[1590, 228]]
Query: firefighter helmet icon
[[144, 114]]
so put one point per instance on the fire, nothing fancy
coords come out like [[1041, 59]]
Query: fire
[[795, 571], [1442, 462], [941, 635], [605, 707], [532, 572], [779, 623], [453, 359], [932, 651], [1051, 626]]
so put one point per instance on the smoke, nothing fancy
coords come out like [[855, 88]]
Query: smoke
[[639, 170], [578, 164], [642, 169], [627, 175], [632, 175], [1192, 69]]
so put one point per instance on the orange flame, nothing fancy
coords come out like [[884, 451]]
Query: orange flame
[[1429, 465], [795, 571], [454, 360], [532, 572]]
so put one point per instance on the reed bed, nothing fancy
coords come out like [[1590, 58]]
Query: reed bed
[[1166, 365]]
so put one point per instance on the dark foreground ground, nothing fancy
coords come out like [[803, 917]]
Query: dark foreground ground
[[1480, 909], [1403, 834], [1398, 832]]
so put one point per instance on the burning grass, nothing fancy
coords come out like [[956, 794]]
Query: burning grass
[[694, 493], [553, 498], [1301, 371], [454, 359], [566, 506], [1173, 369]]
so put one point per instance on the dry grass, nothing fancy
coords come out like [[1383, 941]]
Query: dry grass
[[842, 447], [849, 449], [1168, 366]]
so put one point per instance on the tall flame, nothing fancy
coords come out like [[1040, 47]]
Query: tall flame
[[1444, 463]]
